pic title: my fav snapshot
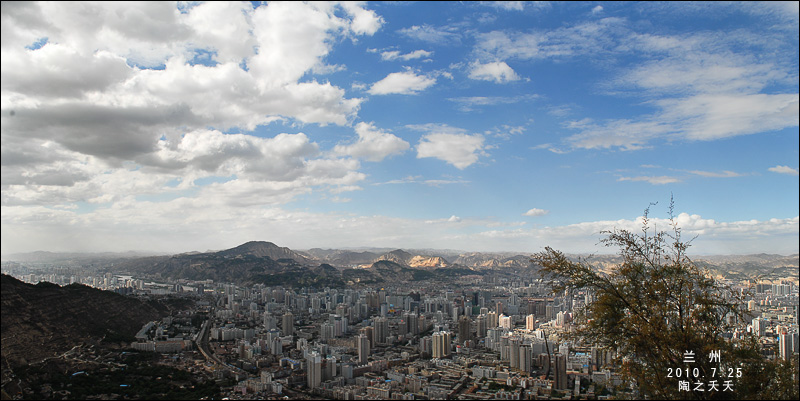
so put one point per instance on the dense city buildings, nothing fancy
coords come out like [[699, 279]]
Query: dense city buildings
[[478, 339]]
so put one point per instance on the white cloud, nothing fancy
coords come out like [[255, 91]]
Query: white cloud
[[364, 21], [711, 174], [460, 150], [470, 103], [702, 86], [588, 38], [429, 182], [536, 212], [183, 224], [247, 170], [231, 41], [597, 10], [506, 5], [436, 35], [695, 118], [373, 144], [404, 83], [57, 71], [497, 71], [783, 170], [437, 128], [660, 180], [93, 123], [709, 117], [396, 55]]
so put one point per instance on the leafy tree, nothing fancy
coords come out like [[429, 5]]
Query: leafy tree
[[657, 305]]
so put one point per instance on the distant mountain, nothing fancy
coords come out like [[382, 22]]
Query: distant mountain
[[343, 258], [262, 249], [752, 267], [250, 263], [386, 271], [428, 262], [732, 267], [398, 256], [46, 320], [493, 260]]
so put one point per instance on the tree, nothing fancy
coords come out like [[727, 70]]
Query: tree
[[664, 317]]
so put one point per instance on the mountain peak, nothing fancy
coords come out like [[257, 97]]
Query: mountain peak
[[398, 256], [264, 249]]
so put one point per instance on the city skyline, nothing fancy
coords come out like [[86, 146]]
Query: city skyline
[[506, 126]]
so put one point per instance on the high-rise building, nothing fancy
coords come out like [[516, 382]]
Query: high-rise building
[[437, 345], [530, 323], [560, 369], [326, 331], [381, 325], [506, 322], [276, 346], [513, 352], [288, 324], [413, 323], [314, 370], [363, 349], [330, 367], [785, 345], [491, 320], [464, 329], [561, 319], [440, 346], [269, 322], [759, 327], [526, 358], [339, 325], [369, 331], [480, 323]]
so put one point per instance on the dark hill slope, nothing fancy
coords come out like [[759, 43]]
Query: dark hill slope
[[45, 320]]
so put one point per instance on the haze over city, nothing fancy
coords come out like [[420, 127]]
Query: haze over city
[[506, 126]]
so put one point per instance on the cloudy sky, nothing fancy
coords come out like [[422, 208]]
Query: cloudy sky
[[507, 126]]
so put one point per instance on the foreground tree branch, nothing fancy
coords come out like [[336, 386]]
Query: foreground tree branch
[[657, 305]]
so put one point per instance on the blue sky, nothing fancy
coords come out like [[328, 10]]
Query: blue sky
[[503, 126]]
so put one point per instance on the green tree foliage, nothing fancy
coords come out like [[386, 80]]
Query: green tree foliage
[[657, 305]]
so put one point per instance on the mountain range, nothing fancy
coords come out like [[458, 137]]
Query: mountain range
[[266, 263], [270, 264]]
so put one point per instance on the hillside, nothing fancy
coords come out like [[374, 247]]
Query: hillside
[[46, 320]]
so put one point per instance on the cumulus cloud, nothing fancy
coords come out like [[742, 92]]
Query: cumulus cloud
[[783, 170], [536, 212], [497, 71], [460, 150], [404, 83], [364, 21], [112, 102], [373, 144]]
